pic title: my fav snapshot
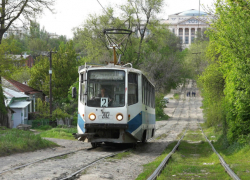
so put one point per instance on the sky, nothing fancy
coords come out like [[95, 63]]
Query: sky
[[71, 15]]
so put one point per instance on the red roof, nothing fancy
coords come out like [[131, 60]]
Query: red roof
[[22, 87]]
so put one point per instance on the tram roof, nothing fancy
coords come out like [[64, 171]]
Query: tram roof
[[109, 66]]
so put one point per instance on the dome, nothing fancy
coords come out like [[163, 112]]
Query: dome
[[192, 12]]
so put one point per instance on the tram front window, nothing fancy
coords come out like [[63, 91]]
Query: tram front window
[[106, 88]]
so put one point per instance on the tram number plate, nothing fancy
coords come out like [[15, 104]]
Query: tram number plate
[[104, 102], [105, 115]]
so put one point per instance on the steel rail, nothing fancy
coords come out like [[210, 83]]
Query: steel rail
[[33, 162], [165, 160], [158, 170], [93, 162], [223, 163]]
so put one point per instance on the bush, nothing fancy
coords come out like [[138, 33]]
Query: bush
[[44, 127], [159, 108]]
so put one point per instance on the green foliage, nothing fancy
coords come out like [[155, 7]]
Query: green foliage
[[162, 59], [158, 53], [43, 108], [44, 127], [6, 67], [64, 65], [21, 74], [159, 108], [59, 114], [228, 73], [212, 85], [89, 40], [60, 133], [196, 60], [15, 141], [177, 96]]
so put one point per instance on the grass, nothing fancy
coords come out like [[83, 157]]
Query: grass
[[236, 155], [59, 133], [193, 160], [149, 168], [60, 157], [162, 118], [176, 96], [162, 136], [121, 155], [16, 141]]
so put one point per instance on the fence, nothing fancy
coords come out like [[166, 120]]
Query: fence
[[37, 123]]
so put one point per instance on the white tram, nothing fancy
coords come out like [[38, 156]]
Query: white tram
[[116, 104]]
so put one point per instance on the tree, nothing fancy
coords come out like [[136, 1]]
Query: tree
[[6, 67], [64, 64], [11, 13], [90, 41], [15, 12], [229, 40], [163, 61], [150, 47], [144, 11]]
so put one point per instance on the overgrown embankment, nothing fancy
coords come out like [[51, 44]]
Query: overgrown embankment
[[16, 141], [225, 83], [59, 133]]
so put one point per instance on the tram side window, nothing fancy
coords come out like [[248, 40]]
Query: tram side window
[[82, 87], [132, 88], [143, 91], [149, 94], [153, 97]]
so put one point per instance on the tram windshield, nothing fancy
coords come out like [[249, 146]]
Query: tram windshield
[[106, 88]]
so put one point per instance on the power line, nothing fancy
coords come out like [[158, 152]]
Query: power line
[[105, 10]]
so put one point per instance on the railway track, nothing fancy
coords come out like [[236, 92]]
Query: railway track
[[162, 165], [70, 174]]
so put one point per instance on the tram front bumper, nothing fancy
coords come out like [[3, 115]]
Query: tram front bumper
[[105, 126], [82, 137]]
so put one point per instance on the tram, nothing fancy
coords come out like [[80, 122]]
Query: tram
[[116, 104]]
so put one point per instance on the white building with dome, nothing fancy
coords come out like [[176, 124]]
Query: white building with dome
[[186, 24]]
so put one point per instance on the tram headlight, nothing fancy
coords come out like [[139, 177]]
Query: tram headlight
[[92, 116], [119, 116]]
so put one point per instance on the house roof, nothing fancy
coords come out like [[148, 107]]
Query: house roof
[[20, 104], [22, 87], [11, 93]]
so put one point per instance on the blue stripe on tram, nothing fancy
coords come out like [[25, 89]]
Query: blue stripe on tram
[[81, 122], [136, 122]]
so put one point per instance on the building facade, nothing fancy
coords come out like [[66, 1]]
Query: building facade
[[186, 24]]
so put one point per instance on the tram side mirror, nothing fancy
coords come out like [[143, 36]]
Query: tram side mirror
[[73, 92]]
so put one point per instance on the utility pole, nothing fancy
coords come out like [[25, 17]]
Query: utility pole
[[50, 82], [197, 61]]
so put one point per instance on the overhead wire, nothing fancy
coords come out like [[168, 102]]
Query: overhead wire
[[105, 10]]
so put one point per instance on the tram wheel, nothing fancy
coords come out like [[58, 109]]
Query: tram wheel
[[144, 137], [94, 145]]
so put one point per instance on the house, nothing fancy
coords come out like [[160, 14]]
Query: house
[[19, 105], [32, 93], [22, 60]]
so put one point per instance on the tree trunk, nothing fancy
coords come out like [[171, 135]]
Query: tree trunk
[[3, 109]]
